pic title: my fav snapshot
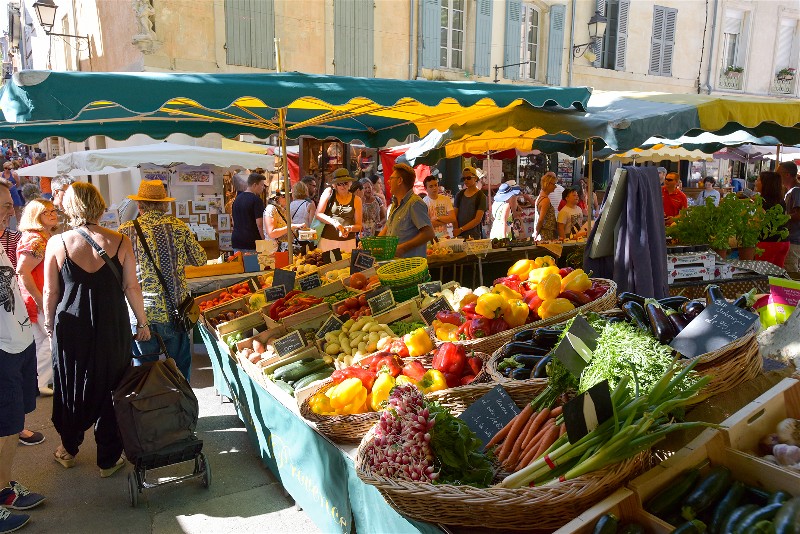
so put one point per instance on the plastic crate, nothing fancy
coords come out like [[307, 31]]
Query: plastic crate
[[403, 272]]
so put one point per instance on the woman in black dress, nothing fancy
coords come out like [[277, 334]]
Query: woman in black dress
[[87, 321]]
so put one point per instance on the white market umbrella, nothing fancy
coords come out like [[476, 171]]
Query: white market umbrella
[[109, 160]]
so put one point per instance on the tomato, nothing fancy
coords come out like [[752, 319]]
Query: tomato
[[341, 309], [352, 303], [362, 299], [358, 281]]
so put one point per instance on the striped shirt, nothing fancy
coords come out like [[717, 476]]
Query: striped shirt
[[173, 247]]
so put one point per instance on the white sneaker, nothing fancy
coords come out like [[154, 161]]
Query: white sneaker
[[46, 391]]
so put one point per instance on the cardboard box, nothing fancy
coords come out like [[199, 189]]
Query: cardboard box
[[689, 273], [723, 271], [211, 247], [702, 259]]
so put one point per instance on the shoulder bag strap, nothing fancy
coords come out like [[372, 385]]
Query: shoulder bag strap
[[305, 200], [100, 252], [146, 248]]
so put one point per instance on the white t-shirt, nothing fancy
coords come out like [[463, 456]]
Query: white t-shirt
[[16, 333], [555, 197], [704, 194], [571, 218], [439, 208]]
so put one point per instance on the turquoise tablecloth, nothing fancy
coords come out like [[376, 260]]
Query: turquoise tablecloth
[[319, 475]]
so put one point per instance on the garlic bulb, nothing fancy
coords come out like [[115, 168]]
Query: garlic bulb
[[789, 431], [786, 454]]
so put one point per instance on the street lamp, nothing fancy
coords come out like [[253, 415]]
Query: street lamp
[[597, 28], [46, 13]]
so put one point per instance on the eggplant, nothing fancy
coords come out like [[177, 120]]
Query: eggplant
[[507, 372], [627, 296], [747, 300], [523, 347], [673, 303], [524, 335], [693, 308], [612, 320], [714, 294], [541, 368], [678, 320], [521, 374], [662, 328], [636, 314], [528, 360]]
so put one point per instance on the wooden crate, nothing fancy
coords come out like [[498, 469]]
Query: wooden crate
[[313, 311], [326, 290], [217, 269], [231, 306], [625, 506], [308, 352], [310, 318], [251, 320], [406, 311]]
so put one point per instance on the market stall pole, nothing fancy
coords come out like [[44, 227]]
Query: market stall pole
[[590, 185], [284, 158]]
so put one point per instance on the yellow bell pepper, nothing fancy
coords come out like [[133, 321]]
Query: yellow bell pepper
[[345, 392], [521, 268], [418, 342], [403, 380], [506, 292], [515, 313], [577, 280], [553, 307], [537, 275], [380, 391], [446, 332], [320, 404], [545, 261], [490, 305], [357, 405], [549, 287], [432, 380]]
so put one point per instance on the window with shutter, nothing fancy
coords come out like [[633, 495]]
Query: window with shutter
[[483, 38], [250, 33], [529, 42], [622, 34], [555, 46], [513, 35], [731, 37], [599, 43], [353, 38], [430, 33], [662, 44], [451, 45], [611, 48]]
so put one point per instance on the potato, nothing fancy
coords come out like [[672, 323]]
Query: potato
[[258, 346]]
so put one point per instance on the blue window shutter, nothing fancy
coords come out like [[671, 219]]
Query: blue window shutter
[[513, 36], [657, 41], [483, 38], [250, 33], [353, 38], [622, 34], [430, 37], [555, 44], [670, 19], [600, 5]]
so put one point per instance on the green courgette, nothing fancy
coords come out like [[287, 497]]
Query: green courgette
[[706, 492], [779, 497], [284, 386], [787, 520], [606, 525], [296, 373], [763, 527], [736, 517], [695, 526], [756, 495], [748, 523], [668, 499], [313, 377], [280, 371], [632, 528], [728, 503]]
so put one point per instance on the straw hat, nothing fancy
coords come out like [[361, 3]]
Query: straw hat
[[152, 191], [341, 176]]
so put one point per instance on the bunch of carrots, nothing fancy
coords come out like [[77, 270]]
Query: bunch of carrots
[[527, 436]]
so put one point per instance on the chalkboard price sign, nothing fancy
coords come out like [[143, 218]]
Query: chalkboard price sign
[[576, 348], [380, 300], [289, 343], [274, 293], [588, 410], [429, 288], [361, 261], [330, 256], [489, 414], [284, 278], [331, 324], [429, 314], [717, 326], [310, 282]]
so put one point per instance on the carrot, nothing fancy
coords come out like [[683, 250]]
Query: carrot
[[540, 418], [547, 440], [562, 430], [519, 444], [533, 444], [513, 433], [555, 412]]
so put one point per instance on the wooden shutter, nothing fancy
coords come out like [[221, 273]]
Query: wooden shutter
[[555, 44], [353, 38], [513, 36], [599, 5], [430, 38], [657, 41], [622, 35], [250, 33], [483, 38], [670, 19]]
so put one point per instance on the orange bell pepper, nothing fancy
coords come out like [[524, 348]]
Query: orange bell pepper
[[549, 287]]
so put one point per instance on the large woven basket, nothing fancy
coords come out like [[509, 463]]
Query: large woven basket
[[542, 507], [492, 343], [352, 428]]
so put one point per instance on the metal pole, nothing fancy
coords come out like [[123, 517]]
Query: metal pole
[[284, 159], [777, 156], [590, 185]]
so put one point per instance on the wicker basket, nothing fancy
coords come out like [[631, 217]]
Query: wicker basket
[[352, 428], [403, 272], [545, 507], [492, 343], [381, 247]]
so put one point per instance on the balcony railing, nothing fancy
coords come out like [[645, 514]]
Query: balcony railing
[[731, 80], [783, 85]]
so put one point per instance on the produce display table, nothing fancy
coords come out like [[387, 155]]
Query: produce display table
[[319, 474], [207, 284]]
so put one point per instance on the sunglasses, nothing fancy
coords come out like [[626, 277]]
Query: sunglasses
[[50, 212], [669, 180]]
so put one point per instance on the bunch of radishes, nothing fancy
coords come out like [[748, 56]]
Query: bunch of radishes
[[401, 448]]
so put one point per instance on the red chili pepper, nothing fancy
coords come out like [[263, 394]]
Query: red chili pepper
[[462, 330], [291, 311], [450, 358]]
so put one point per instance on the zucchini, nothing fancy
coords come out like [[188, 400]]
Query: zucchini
[[284, 386], [748, 522], [313, 377], [304, 370], [779, 497], [728, 503], [736, 517], [672, 496], [632, 528], [787, 520], [278, 373], [606, 525], [706, 492], [756, 495], [695, 526]]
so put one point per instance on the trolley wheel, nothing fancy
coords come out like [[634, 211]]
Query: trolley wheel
[[205, 469], [133, 490]]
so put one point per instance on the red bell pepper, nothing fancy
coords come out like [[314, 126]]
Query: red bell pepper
[[414, 370], [399, 347], [450, 358], [391, 363], [512, 282], [474, 364], [449, 317], [452, 379], [498, 325], [367, 377], [469, 310], [467, 379], [596, 291], [565, 271], [477, 328]]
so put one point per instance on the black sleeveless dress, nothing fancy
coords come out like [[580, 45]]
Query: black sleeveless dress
[[91, 344]]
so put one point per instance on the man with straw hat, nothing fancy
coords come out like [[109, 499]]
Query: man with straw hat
[[171, 248]]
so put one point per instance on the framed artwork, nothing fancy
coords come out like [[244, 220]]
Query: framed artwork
[[203, 218], [224, 222], [216, 203], [199, 206], [194, 176], [182, 209], [153, 172], [194, 219], [225, 241]]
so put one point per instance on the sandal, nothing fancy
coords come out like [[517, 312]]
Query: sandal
[[63, 457], [107, 472]]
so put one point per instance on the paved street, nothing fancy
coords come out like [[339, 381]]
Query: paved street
[[243, 497]]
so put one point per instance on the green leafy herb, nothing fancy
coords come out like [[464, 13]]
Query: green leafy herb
[[457, 451], [401, 328], [509, 362]]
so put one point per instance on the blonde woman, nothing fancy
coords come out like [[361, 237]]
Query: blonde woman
[[88, 323], [39, 220], [545, 223]]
